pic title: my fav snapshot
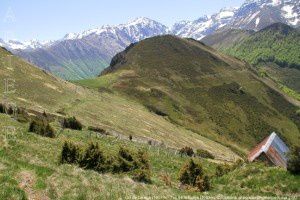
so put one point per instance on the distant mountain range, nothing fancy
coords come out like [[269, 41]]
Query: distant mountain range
[[84, 55]]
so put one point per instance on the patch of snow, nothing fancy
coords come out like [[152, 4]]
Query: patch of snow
[[257, 21], [294, 22], [71, 36], [225, 14], [288, 9]]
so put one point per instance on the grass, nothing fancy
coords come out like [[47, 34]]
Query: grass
[[256, 178], [290, 92], [30, 169]]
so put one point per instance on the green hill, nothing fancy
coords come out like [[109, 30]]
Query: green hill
[[273, 50], [38, 91], [194, 86], [278, 43]]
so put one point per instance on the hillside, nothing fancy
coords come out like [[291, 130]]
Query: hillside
[[278, 43], [38, 91], [30, 170], [226, 37], [273, 50], [194, 86]]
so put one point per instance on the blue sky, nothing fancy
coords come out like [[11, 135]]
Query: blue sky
[[52, 19]]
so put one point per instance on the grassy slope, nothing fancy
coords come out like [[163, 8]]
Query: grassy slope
[[224, 38], [210, 93], [277, 43], [29, 169], [260, 47], [40, 91], [79, 69], [274, 50]]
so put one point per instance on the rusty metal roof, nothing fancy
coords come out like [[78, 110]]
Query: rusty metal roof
[[274, 148]]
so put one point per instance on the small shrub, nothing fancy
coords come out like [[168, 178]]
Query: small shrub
[[202, 183], [70, 153], [142, 175], [142, 165], [142, 160], [204, 154], [93, 158], [192, 174], [23, 116], [293, 165], [2, 108], [125, 161], [189, 172], [188, 151], [41, 128], [72, 123]]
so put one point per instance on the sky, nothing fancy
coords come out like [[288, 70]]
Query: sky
[[52, 19]]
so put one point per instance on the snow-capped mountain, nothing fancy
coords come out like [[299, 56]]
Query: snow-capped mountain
[[205, 25], [18, 45], [84, 55], [252, 15], [137, 30], [259, 14]]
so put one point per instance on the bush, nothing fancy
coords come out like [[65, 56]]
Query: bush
[[142, 175], [125, 161], [188, 151], [72, 123], [41, 128], [142, 160], [93, 159], [222, 170], [202, 183], [2, 108], [204, 154], [293, 165], [189, 172], [192, 174], [70, 153]]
